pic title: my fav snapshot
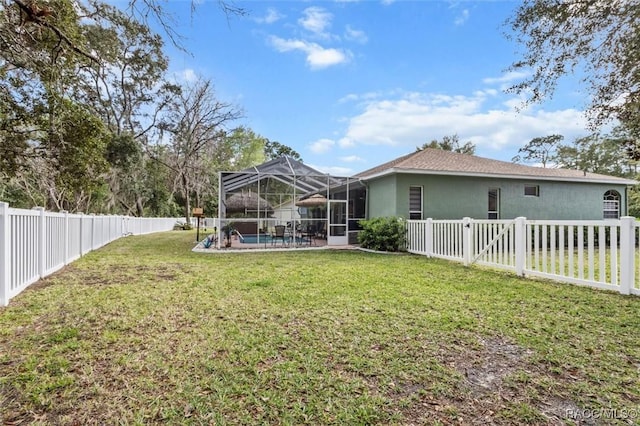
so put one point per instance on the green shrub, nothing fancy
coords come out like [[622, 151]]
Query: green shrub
[[383, 234]]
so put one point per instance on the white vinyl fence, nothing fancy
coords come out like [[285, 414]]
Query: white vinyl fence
[[35, 243], [595, 253]]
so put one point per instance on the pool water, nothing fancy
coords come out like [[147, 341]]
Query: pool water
[[266, 238], [253, 239]]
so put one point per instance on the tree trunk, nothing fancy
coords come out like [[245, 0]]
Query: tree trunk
[[139, 206], [187, 201]]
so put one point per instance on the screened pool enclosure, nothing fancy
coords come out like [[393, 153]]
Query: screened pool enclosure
[[285, 203]]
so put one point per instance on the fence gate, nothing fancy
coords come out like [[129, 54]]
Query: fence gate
[[601, 254], [493, 242]]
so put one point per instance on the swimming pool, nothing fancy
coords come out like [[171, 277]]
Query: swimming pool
[[266, 239], [253, 239]]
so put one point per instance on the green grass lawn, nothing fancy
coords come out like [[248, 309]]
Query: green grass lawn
[[144, 331]]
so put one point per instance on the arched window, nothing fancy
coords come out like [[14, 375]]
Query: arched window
[[611, 205]]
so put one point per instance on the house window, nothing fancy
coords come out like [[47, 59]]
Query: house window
[[532, 190], [415, 202], [611, 205], [494, 204]]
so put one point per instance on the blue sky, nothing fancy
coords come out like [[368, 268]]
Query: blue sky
[[351, 84]]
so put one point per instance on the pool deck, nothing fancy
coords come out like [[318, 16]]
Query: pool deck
[[238, 247]]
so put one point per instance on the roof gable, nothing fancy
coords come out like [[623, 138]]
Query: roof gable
[[437, 161]]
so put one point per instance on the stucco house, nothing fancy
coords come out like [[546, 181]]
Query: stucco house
[[431, 183], [438, 184]]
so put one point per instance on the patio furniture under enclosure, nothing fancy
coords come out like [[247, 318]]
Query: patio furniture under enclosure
[[311, 205]]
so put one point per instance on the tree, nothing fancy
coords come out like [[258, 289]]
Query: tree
[[196, 125], [45, 83], [128, 90], [273, 149], [38, 63], [597, 154], [450, 143], [153, 10], [593, 38], [30, 16], [242, 148], [604, 154], [539, 150], [158, 184], [81, 83]]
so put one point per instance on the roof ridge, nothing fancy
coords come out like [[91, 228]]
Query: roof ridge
[[386, 165], [450, 162]]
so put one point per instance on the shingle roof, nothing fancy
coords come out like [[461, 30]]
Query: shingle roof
[[437, 161]]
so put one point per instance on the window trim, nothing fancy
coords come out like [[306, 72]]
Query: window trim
[[536, 190], [611, 198], [496, 212], [418, 212]]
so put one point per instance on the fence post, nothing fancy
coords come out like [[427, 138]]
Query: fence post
[[429, 237], [92, 216], [42, 240], [520, 244], [81, 233], [627, 253], [466, 241], [5, 254], [67, 237], [407, 236]]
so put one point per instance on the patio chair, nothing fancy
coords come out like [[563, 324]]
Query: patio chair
[[278, 235], [309, 235], [322, 231]]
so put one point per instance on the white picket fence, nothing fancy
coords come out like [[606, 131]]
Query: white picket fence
[[35, 243], [598, 253]]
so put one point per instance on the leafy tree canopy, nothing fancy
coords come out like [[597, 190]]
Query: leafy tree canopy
[[273, 149], [539, 150], [604, 154], [596, 153], [450, 143], [596, 39]]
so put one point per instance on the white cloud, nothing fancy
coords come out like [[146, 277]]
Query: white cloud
[[189, 75], [333, 170], [351, 97], [368, 96], [270, 17], [414, 118], [346, 143], [352, 159], [517, 103], [509, 77], [317, 56], [352, 34], [322, 146], [316, 20], [387, 2], [462, 18], [186, 75], [485, 92]]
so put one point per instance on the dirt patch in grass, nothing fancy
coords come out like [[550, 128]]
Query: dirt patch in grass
[[493, 382], [111, 275], [485, 368]]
